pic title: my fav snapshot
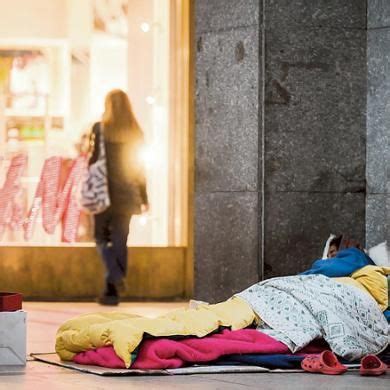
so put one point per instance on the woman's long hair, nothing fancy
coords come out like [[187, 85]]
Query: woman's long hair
[[119, 121]]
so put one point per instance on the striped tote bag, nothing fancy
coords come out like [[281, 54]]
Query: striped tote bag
[[95, 197]]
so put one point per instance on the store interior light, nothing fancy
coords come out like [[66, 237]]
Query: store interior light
[[143, 220], [150, 100], [147, 156], [145, 27], [150, 156]]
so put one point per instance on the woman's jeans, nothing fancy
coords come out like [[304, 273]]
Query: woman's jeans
[[111, 231]]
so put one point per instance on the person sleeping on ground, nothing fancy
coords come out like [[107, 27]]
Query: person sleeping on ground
[[340, 300]]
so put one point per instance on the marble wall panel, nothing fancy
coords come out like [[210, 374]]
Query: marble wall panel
[[226, 245]]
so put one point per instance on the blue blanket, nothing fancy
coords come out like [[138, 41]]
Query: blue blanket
[[345, 263], [271, 361]]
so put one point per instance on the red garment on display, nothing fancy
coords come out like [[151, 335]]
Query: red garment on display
[[57, 198], [11, 211]]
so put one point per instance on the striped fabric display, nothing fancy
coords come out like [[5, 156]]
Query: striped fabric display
[[11, 210], [94, 189], [58, 202]]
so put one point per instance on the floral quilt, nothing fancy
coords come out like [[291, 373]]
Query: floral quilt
[[298, 309]]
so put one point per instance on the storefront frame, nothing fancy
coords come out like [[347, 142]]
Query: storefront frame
[[53, 272]]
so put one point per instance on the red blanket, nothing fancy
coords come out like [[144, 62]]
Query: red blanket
[[160, 353]]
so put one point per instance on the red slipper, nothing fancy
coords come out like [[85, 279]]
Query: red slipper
[[371, 365], [326, 363]]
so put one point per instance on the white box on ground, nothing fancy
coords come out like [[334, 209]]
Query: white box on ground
[[12, 339]]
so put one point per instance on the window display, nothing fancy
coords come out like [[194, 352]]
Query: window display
[[110, 17], [28, 83], [52, 91]]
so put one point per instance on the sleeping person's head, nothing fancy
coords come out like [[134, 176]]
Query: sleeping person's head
[[342, 242], [334, 246]]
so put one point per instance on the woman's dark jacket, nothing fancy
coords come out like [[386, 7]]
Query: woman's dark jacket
[[125, 172]]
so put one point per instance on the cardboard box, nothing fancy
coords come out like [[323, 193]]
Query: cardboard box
[[12, 340]]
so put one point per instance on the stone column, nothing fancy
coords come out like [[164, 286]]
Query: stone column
[[378, 122], [315, 128], [306, 132], [227, 207]]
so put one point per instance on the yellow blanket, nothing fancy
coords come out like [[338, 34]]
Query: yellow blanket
[[373, 280], [125, 331]]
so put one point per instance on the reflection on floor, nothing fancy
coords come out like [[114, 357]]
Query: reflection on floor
[[44, 319]]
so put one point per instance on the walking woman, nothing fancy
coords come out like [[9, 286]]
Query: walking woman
[[123, 140]]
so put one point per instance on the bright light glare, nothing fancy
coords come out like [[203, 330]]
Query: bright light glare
[[150, 156], [145, 27], [147, 156], [150, 100], [143, 220]]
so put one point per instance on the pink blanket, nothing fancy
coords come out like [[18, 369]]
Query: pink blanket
[[160, 353]]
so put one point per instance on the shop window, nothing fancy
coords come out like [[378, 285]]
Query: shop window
[[52, 90]]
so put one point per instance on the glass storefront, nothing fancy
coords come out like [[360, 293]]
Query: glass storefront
[[55, 71]]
